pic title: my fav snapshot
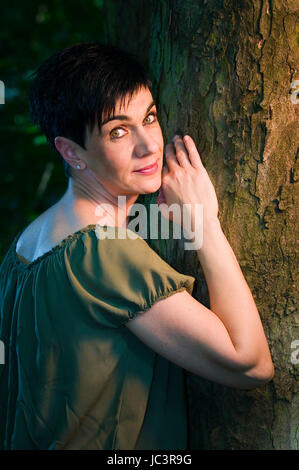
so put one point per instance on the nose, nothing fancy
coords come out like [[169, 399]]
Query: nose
[[145, 144]]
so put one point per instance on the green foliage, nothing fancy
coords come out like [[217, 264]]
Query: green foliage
[[29, 33]]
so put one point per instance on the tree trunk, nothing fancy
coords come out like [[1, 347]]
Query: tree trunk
[[222, 72]]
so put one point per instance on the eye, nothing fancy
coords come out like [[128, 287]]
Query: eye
[[118, 129], [154, 116]]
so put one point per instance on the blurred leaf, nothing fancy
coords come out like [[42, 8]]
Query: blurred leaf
[[30, 32], [39, 140]]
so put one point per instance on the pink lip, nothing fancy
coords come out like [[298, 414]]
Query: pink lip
[[148, 169]]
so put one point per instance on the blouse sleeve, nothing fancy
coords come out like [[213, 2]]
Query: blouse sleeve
[[116, 279]]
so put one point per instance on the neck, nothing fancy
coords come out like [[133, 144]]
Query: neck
[[88, 201]]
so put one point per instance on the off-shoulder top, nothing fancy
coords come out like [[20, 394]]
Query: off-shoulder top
[[73, 376]]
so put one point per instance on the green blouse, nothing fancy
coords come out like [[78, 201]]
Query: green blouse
[[74, 377]]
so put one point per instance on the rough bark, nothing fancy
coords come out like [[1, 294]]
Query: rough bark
[[222, 72]]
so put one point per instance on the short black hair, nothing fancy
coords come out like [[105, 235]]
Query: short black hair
[[80, 84]]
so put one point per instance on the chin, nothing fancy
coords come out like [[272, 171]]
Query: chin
[[151, 186]]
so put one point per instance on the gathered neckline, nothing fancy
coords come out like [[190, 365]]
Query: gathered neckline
[[69, 238]]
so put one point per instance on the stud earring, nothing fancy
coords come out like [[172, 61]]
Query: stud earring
[[78, 167]]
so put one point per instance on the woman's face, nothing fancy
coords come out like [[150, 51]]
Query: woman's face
[[126, 144]]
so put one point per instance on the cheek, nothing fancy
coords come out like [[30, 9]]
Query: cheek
[[159, 137], [101, 161], [114, 165]]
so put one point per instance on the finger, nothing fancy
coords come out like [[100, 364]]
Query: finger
[[171, 159], [181, 151], [193, 154]]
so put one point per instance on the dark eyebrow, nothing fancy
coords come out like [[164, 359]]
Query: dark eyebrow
[[122, 117]]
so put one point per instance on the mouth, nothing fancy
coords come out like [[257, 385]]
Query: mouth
[[148, 170]]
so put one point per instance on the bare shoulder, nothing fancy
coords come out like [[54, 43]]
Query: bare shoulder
[[40, 235], [29, 238]]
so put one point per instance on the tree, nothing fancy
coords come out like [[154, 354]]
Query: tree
[[224, 71]]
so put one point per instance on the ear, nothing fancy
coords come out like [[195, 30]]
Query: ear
[[69, 151]]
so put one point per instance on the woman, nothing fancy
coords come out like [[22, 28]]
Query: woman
[[98, 331]]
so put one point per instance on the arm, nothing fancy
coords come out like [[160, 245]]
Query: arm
[[232, 301], [225, 343]]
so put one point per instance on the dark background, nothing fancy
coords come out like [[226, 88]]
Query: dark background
[[32, 175]]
